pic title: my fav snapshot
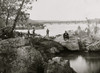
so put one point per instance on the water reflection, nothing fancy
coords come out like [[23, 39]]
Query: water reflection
[[86, 64]]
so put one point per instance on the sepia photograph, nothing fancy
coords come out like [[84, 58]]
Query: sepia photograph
[[49, 36]]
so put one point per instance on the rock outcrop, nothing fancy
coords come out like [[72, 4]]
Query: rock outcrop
[[20, 55], [71, 44], [94, 46], [17, 57], [47, 47], [58, 65]]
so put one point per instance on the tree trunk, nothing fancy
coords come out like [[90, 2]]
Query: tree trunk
[[15, 21], [7, 18]]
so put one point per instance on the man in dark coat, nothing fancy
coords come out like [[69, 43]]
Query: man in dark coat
[[66, 36]]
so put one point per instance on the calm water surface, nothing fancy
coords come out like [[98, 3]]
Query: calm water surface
[[84, 63], [56, 29]]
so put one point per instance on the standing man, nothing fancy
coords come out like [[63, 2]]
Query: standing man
[[33, 31], [28, 33], [47, 32], [66, 36]]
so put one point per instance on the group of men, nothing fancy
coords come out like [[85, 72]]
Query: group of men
[[65, 35]]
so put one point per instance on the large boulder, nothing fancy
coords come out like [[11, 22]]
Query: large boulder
[[58, 65], [48, 48], [71, 44], [13, 42], [17, 57]]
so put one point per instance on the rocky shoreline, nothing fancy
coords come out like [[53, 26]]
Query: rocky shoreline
[[32, 55], [40, 54], [82, 44]]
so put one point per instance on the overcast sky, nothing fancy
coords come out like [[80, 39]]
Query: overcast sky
[[65, 9]]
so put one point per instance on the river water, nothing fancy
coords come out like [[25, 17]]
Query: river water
[[84, 62], [56, 29]]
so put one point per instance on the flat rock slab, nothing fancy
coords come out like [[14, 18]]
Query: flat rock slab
[[71, 44]]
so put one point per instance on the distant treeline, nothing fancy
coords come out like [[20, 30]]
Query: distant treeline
[[75, 21]]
